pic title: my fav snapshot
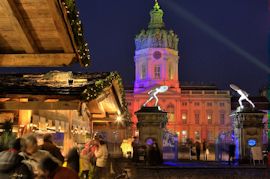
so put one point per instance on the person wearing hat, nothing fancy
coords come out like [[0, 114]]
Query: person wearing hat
[[101, 155]]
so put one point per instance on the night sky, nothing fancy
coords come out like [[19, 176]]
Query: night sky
[[110, 28]]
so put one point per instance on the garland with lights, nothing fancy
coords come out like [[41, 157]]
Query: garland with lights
[[94, 90], [76, 25]]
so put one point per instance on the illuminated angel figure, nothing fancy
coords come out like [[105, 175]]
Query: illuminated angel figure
[[153, 94], [243, 96]]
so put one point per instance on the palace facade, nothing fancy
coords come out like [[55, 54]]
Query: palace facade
[[195, 111]]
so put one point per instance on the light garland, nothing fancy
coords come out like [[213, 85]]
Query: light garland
[[76, 25], [95, 89]]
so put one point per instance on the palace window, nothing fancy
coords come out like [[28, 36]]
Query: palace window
[[143, 71], [209, 135], [157, 71], [221, 104], [184, 103], [184, 117], [197, 118], [209, 104], [196, 104], [184, 136], [170, 110], [209, 118], [222, 118], [197, 135]]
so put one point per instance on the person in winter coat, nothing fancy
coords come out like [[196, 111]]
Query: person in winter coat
[[85, 161], [73, 160], [49, 146], [101, 155], [33, 155], [12, 165], [51, 170]]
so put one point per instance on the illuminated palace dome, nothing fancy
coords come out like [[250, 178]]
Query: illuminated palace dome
[[156, 36], [156, 56]]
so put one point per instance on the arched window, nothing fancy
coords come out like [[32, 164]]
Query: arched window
[[143, 71], [157, 71]]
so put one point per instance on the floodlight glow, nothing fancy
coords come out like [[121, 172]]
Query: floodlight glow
[[215, 34]]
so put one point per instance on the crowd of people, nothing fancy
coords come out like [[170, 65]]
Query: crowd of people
[[150, 152], [25, 159]]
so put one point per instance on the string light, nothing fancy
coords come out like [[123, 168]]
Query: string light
[[95, 89], [76, 25]]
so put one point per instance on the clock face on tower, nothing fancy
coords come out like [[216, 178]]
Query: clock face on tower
[[157, 55]]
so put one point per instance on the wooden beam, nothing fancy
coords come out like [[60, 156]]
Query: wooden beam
[[37, 105], [19, 26], [36, 60], [60, 25]]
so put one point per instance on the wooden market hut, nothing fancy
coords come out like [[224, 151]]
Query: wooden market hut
[[49, 33]]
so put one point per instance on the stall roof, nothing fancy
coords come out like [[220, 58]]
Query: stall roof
[[57, 83], [41, 33], [63, 90]]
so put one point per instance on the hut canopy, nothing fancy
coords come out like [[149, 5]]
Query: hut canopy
[[41, 33]]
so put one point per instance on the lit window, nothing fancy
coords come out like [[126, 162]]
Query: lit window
[[184, 136], [170, 110], [209, 118], [184, 117], [143, 71], [197, 135], [157, 71], [222, 118], [197, 118]]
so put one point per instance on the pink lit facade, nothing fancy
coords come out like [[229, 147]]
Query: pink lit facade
[[194, 111]]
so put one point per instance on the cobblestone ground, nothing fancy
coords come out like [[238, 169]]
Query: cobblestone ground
[[201, 174], [190, 170]]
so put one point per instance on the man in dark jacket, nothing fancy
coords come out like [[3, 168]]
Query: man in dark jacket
[[49, 146]]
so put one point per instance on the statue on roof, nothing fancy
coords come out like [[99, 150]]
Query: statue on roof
[[243, 96], [153, 94]]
